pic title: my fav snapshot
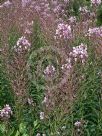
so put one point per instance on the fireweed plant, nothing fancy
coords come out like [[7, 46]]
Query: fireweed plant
[[50, 68]]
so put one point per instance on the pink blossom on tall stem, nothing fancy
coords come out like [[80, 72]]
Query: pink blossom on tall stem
[[96, 2], [63, 31], [79, 52], [77, 124], [49, 71], [96, 31], [84, 9], [6, 4], [6, 112], [25, 2], [67, 66], [22, 45], [72, 19], [66, 1]]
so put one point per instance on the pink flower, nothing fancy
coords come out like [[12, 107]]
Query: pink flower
[[96, 31], [50, 70], [6, 112], [77, 124], [6, 4], [63, 31], [96, 2], [84, 9], [25, 2], [72, 19], [66, 1], [67, 66], [79, 52], [22, 45]]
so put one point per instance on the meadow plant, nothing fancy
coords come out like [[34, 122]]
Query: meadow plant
[[79, 52], [22, 45], [6, 112], [63, 31], [96, 2], [97, 31], [49, 71], [53, 68]]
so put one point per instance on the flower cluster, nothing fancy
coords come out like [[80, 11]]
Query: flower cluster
[[6, 4], [96, 2], [49, 71], [77, 124], [45, 100], [42, 7], [59, 8], [38, 134], [41, 115], [25, 3], [72, 19], [67, 66], [63, 31], [28, 27], [79, 52], [46, 8], [96, 31], [66, 1], [6, 112], [30, 101], [84, 9], [22, 45]]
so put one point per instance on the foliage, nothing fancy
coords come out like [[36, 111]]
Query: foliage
[[72, 108]]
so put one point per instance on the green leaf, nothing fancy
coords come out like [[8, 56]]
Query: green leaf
[[35, 123], [2, 128], [25, 135], [22, 128], [17, 133], [11, 132]]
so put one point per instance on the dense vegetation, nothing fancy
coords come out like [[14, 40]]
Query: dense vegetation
[[51, 68]]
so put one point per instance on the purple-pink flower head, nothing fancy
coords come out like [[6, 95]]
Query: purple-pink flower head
[[63, 31], [6, 112], [96, 2]]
